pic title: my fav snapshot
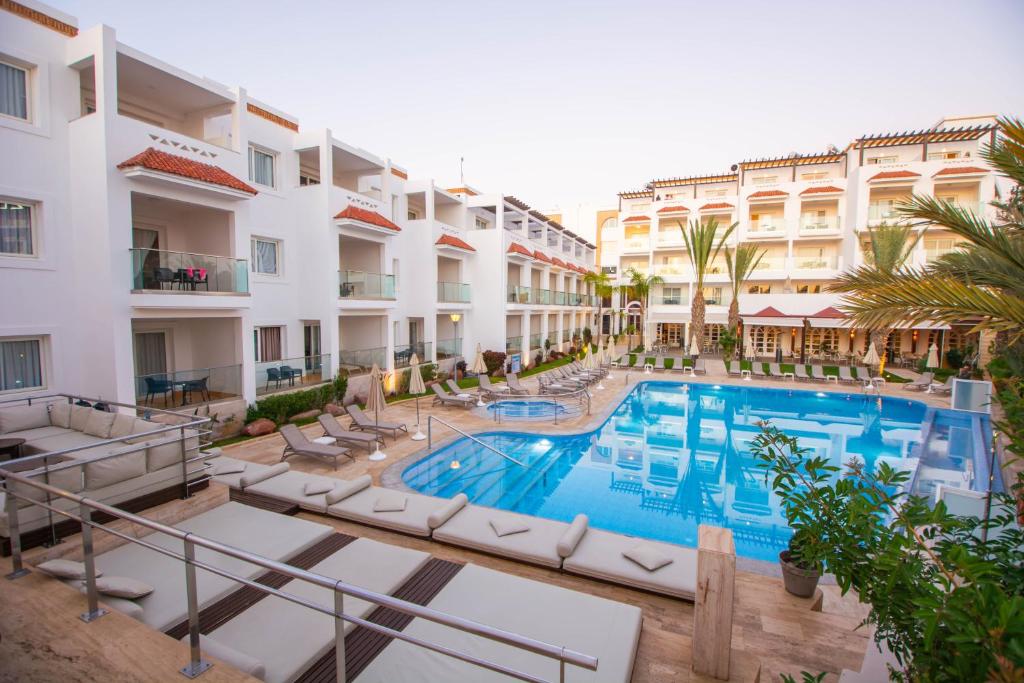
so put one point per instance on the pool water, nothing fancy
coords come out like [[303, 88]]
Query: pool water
[[513, 409], [673, 456]]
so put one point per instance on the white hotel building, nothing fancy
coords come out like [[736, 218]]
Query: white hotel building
[[810, 215], [165, 238]]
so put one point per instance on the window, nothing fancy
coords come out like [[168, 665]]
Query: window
[[822, 339], [13, 91], [671, 296], [268, 344], [759, 289], [934, 248], [480, 223], [883, 160], [938, 156], [265, 256], [808, 289], [715, 193], [712, 336], [261, 166], [412, 214], [16, 228], [21, 364], [816, 175], [765, 340], [307, 179], [713, 296], [764, 179]]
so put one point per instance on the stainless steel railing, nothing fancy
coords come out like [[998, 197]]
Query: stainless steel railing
[[340, 589], [430, 439], [577, 402]]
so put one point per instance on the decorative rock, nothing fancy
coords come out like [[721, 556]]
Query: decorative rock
[[305, 415], [334, 409], [259, 427]]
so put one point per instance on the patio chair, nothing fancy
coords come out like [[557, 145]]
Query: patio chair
[[445, 399], [296, 443], [455, 388], [659, 363], [775, 371], [164, 278], [818, 373], [333, 429], [944, 388], [362, 423], [158, 386], [922, 382], [699, 368], [512, 379], [490, 389], [198, 386], [757, 369], [289, 373], [273, 375], [549, 385], [800, 372], [845, 376], [732, 368]]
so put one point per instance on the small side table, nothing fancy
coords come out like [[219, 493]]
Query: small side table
[[11, 448], [832, 378], [325, 440], [745, 374], [789, 375]]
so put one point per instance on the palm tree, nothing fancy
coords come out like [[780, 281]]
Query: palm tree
[[603, 287], [700, 245], [740, 268], [640, 285]]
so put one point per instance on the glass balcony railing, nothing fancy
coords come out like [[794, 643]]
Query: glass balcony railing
[[814, 262], [541, 296], [553, 338], [559, 298], [185, 387], [449, 348], [535, 341], [566, 335], [886, 212], [403, 353], [767, 229], [518, 295], [664, 269], [453, 292], [671, 237], [290, 373], [183, 272], [361, 361], [771, 263], [817, 224], [573, 299], [356, 284], [667, 300], [513, 344], [636, 244]]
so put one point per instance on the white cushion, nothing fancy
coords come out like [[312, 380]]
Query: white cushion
[[64, 569], [506, 527], [647, 556], [257, 477], [230, 467], [20, 418], [231, 656], [348, 488], [60, 414], [102, 473], [99, 424], [567, 544], [80, 416], [315, 488], [142, 427], [389, 502], [123, 587], [123, 425], [445, 512]]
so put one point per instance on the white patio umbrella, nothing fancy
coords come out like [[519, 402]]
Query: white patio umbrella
[[611, 354], [375, 402], [416, 387], [748, 344], [692, 349], [479, 367], [871, 357], [933, 356], [588, 359]]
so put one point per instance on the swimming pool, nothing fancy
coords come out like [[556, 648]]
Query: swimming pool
[[526, 410], [672, 456]]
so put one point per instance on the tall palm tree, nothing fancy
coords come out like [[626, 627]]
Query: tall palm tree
[[740, 266], [640, 285], [603, 286], [702, 249]]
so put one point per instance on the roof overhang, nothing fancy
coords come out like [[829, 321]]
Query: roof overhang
[[179, 182]]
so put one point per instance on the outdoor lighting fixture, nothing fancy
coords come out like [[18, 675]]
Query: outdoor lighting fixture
[[821, 394], [455, 464], [717, 386]]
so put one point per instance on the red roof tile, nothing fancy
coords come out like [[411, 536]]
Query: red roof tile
[[822, 190], [716, 205], [516, 248], [830, 312], [558, 262], [452, 241], [637, 219], [354, 213], [768, 193], [893, 175], [541, 256], [769, 312], [157, 160], [960, 170], [674, 209]]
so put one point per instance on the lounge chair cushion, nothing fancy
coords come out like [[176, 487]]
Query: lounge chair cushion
[[64, 569], [80, 417], [600, 555], [60, 414], [647, 556], [445, 512], [231, 656], [315, 488], [349, 488], [412, 520], [471, 528], [291, 487], [573, 535], [123, 587], [109, 471], [165, 450], [507, 527], [390, 502], [250, 478], [99, 424], [230, 467], [122, 425], [20, 418]]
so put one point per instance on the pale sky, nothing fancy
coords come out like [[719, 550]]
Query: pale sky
[[564, 104]]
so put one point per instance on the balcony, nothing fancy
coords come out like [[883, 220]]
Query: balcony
[[671, 238], [812, 226], [882, 213], [771, 263], [403, 353], [558, 298], [663, 300], [453, 292], [182, 272], [803, 263], [185, 387], [766, 229], [574, 299], [636, 244], [535, 341], [671, 270], [357, 284], [542, 297], [518, 294], [449, 348], [361, 361], [292, 373], [513, 344]]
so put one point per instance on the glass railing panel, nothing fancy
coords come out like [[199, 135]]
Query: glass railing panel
[[535, 341], [771, 263], [542, 296], [360, 361], [403, 353], [518, 295], [291, 373], [559, 298], [813, 262], [449, 348], [819, 224], [453, 292], [185, 272], [513, 344], [186, 387], [357, 284]]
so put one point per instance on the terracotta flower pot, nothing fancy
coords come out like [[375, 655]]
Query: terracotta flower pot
[[799, 582]]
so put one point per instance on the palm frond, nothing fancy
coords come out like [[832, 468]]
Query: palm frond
[[741, 263], [699, 238]]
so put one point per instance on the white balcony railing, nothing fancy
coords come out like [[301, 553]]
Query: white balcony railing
[[882, 213], [670, 238], [814, 262], [771, 263], [766, 229], [637, 244], [816, 225], [671, 269]]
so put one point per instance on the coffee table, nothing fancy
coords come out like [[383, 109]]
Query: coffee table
[[11, 447]]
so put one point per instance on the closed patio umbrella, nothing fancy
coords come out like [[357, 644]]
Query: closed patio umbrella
[[416, 387], [588, 360], [692, 348], [375, 402], [871, 357], [748, 345], [933, 356], [479, 367]]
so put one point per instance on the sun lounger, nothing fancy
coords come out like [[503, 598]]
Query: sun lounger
[[818, 373], [659, 363], [296, 443], [732, 368], [945, 388], [585, 623], [800, 372], [455, 388], [221, 464], [775, 371], [334, 429], [845, 376], [291, 487], [445, 399], [264, 533], [419, 516], [599, 554], [362, 423], [757, 369], [487, 387], [472, 528], [922, 382], [514, 386], [699, 367], [288, 638]]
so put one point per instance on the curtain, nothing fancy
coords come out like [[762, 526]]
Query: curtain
[[270, 344], [150, 354], [13, 91], [264, 257], [261, 167], [15, 228], [21, 365]]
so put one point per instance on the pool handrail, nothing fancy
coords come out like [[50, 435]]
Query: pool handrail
[[430, 439], [578, 396]]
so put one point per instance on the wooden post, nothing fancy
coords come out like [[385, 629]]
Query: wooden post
[[712, 617]]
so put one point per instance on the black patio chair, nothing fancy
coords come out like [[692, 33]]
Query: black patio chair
[[273, 375], [198, 386], [164, 278], [158, 386], [291, 374]]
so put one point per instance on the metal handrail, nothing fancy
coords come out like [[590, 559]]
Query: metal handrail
[[188, 253], [340, 588], [430, 440], [579, 396]]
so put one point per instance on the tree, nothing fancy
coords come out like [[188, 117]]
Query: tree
[[640, 285], [603, 287], [740, 267], [702, 249]]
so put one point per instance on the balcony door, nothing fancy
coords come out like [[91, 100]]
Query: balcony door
[[150, 353], [146, 242], [267, 341], [311, 345]]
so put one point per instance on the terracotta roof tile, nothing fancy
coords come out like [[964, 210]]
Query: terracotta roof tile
[[638, 219], [558, 262], [768, 193], [830, 312], [960, 170], [893, 175], [453, 241], [157, 160], [824, 189], [769, 312], [674, 209], [716, 205], [516, 248], [541, 256], [354, 213]]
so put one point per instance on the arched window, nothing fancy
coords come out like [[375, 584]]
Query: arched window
[[712, 335], [822, 339], [608, 224], [766, 339]]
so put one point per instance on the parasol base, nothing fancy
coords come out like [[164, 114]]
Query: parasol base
[[480, 403], [599, 387], [377, 455], [418, 436]]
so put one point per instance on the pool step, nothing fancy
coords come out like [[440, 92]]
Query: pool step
[[502, 486], [533, 484]]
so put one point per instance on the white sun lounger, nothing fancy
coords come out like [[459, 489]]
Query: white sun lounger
[[233, 479], [288, 638], [257, 531], [585, 623], [291, 487], [471, 527], [422, 514]]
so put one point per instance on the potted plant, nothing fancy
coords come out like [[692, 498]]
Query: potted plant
[[799, 575]]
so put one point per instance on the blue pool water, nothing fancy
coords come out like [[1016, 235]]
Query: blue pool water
[[673, 456], [527, 409]]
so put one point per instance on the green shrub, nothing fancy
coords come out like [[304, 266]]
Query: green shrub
[[670, 363], [280, 407], [955, 358], [494, 360], [632, 359]]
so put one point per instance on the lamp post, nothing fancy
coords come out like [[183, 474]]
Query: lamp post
[[455, 318]]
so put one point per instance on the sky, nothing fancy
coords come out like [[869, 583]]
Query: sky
[[564, 104]]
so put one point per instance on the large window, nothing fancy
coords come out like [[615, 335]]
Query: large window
[[267, 341], [266, 256], [261, 166], [765, 339], [21, 364], [13, 91], [822, 339], [16, 228]]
